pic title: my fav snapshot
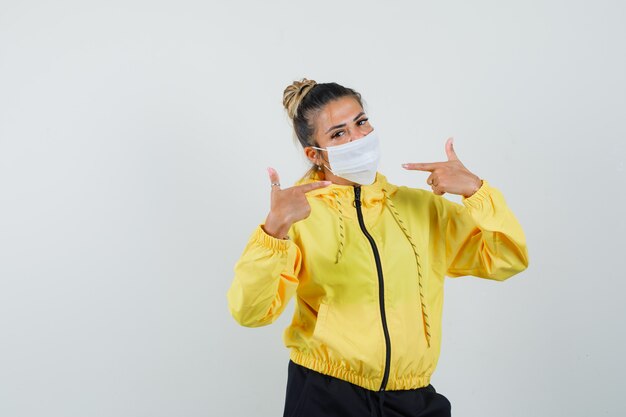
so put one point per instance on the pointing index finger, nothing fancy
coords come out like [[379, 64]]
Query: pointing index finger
[[305, 188], [421, 166]]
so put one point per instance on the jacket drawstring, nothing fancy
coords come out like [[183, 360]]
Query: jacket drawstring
[[396, 216], [342, 234]]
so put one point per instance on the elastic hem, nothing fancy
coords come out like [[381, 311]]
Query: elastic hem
[[270, 242], [475, 200], [372, 384]]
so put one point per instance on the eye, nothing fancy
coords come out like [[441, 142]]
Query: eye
[[337, 134], [362, 122]]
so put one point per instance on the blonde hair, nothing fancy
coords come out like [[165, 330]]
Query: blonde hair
[[294, 93]]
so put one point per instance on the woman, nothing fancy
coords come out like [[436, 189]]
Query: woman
[[365, 260]]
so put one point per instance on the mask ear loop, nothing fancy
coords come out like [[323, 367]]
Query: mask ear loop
[[319, 166]]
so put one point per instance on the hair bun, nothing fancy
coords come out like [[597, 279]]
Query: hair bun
[[293, 95]]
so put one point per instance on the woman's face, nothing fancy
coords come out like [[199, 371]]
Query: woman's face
[[340, 121]]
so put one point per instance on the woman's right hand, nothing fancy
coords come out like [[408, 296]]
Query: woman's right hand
[[288, 206]]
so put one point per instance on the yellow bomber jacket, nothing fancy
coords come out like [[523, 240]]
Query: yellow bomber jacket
[[367, 268]]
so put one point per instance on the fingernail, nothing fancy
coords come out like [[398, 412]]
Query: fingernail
[[405, 165]]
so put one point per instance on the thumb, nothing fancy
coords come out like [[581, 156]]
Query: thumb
[[274, 178], [450, 150]]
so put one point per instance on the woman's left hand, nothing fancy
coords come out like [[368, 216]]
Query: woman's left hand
[[450, 176]]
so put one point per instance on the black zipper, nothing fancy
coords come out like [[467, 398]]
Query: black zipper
[[381, 284]]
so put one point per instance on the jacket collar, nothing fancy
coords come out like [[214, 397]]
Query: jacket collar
[[370, 194]]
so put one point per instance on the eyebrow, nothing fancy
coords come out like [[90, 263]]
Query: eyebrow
[[343, 124]]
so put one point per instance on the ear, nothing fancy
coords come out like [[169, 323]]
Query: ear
[[312, 155]]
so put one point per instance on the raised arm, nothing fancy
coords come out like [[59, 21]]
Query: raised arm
[[266, 275], [482, 237]]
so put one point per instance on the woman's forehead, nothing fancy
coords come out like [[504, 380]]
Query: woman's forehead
[[339, 111]]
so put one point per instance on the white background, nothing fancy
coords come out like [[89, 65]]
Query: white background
[[134, 137]]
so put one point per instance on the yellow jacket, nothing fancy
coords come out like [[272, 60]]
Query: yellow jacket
[[368, 276]]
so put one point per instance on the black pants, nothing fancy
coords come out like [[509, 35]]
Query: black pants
[[311, 394]]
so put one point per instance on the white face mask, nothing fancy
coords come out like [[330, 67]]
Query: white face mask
[[356, 161]]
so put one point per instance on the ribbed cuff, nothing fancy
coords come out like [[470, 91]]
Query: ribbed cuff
[[476, 199], [270, 242]]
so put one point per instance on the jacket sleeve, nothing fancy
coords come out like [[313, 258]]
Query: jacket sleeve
[[482, 237], [265, 279]]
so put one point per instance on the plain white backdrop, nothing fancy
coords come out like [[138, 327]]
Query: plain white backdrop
[[134, 138]]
